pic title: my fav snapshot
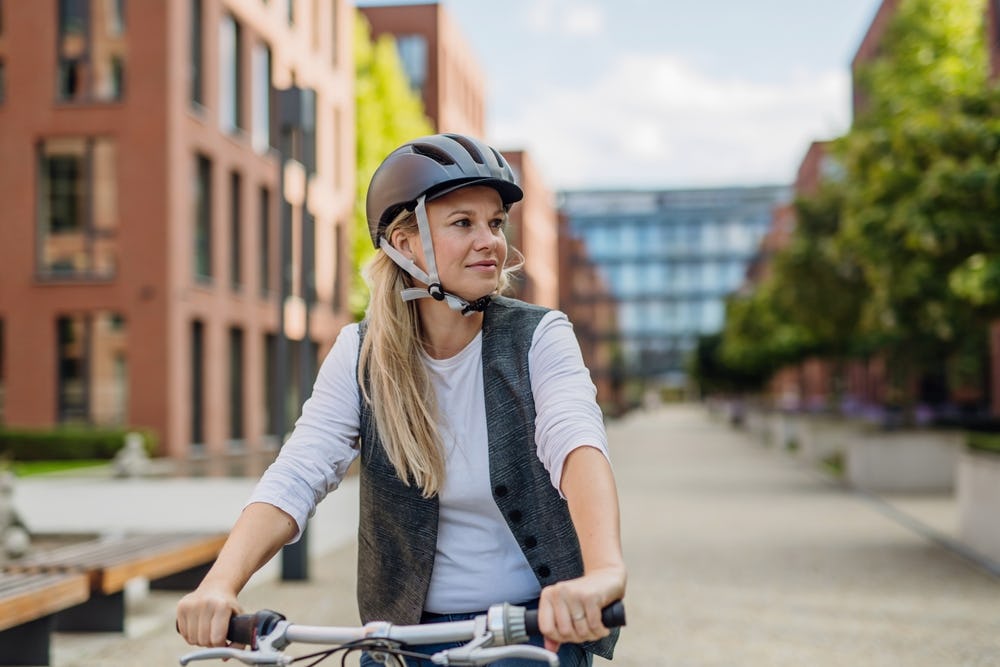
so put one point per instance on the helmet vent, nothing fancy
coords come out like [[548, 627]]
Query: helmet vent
[[470, 147], [433, 152], [500, 160]]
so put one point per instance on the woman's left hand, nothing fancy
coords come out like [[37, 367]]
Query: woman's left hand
[[570, 611]]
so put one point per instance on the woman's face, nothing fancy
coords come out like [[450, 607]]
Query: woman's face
[[469, 244]]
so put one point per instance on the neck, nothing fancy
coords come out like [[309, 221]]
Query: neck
[[446, 332]]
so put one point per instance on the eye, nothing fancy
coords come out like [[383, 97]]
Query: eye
[[498, 223], [462, 222]]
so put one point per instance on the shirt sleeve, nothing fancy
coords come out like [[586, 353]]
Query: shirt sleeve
[[566, 412], [315, 458]]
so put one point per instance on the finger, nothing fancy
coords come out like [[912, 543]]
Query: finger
[[219, 626]]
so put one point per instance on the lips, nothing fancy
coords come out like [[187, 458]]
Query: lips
[[485, 264]]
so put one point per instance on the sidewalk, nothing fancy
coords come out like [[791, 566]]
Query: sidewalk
[[738, 556]]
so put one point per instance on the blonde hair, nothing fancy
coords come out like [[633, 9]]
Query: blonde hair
[[398, 389]]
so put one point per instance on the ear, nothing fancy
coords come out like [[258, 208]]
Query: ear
[[400, 240]]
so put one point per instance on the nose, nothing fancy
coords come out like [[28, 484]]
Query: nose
[[484, 236]]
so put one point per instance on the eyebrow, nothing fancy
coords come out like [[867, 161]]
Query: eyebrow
[[462, 211]]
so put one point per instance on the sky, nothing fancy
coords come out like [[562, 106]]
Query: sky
[[663, 93]]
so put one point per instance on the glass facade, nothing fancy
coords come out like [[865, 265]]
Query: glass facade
[[670, 257]]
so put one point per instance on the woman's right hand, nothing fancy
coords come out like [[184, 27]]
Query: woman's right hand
[[203, 615]]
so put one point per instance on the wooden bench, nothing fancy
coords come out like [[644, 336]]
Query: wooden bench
[[172, 561], [29, 603]]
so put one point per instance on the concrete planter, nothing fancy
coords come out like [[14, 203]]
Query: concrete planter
[[783, 429], [907, 460], [822, 437], [978, 482], [758, 423]]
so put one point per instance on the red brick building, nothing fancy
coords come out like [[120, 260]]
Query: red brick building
[[177, 180], [534, 230], [439, 63], [586, 298]]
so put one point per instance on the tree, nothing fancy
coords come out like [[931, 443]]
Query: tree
[[388, 113], [922, 199]]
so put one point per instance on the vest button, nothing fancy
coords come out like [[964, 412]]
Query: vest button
[[530, 542], [500, 490], [515, 516], [544, 571]]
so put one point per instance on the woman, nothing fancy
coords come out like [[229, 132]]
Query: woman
[[484, 470]]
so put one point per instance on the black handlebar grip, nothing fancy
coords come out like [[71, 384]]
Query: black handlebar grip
[[246, 628], [612, 616]]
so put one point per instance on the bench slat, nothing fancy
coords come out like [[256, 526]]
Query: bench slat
[[110, 563], [28, 597]]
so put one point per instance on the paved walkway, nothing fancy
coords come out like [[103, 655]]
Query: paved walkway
[[738, 556]]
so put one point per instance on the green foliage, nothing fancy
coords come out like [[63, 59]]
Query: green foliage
[[931, 52], [922, 195], [759, 336], [977, 280], [67, 443], [713, 375], [818, 286], [899, 254], [387, 114]]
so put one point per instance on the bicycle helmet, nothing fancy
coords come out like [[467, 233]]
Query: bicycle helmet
[[423, 170]]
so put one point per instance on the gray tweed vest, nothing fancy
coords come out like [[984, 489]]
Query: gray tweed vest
[[397, 534]]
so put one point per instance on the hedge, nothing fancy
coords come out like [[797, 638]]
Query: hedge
[[67, 443]]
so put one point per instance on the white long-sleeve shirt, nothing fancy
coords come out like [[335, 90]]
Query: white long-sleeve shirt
[[478, 562]]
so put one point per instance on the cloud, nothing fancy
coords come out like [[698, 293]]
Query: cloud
[[653, 121], [573, 19], [584, 21]]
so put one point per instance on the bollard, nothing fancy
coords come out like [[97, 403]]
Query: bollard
[[295, 559]]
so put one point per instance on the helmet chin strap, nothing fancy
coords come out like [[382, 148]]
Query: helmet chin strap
[[430, 278]]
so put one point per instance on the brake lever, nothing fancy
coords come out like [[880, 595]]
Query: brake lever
[[465, 656], [245, 656]]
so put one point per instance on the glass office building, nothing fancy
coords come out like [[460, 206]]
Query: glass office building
[[670, 258]]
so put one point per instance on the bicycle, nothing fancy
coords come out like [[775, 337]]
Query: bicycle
[[498, 634]]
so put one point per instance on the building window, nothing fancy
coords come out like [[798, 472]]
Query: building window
[[413, 53], [271, 392], [236, 385], [264, 242], [77, 207], [90, 53], [235, 235], [339, 257], [230, 75], [260, 93], [197, 64], [197, 392], [203, 219], [92, 370]]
